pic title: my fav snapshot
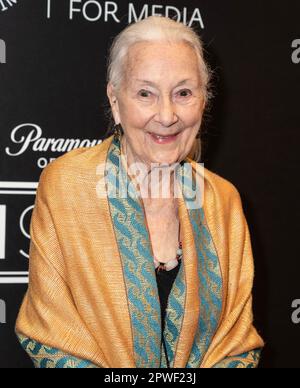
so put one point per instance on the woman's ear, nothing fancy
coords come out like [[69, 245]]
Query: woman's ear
[[113, 100], [203, 104]]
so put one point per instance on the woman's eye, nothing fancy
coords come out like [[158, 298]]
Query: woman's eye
[[144, 93], [184, 93]]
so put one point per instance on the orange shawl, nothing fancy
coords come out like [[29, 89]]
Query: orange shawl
[[92, 299]]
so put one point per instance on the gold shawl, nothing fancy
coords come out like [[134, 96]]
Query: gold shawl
[[92, 300]]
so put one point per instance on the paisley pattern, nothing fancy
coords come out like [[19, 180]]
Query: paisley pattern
[[174, 315], [209, 272], [210, 290], [137, 259], [51, 358], [247, 360]]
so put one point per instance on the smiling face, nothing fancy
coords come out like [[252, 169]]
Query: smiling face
[[161, 94]]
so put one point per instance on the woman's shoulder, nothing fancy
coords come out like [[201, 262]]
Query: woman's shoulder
[[218, 190], [82, 156], [221, 192], [74, 166], [213, 182], [222, 204]]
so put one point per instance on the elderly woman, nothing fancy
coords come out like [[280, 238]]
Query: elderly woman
[[139, 257]]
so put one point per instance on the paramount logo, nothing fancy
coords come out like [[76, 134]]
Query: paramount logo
[[6, 4], [30, 137]]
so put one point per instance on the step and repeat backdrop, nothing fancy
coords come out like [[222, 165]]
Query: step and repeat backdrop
[[53, 99]]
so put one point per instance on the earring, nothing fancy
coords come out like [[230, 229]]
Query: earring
[[117, 132]]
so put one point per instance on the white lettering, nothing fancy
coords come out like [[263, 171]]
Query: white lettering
[[72, 9], [3, 7], [170, 9], [121, 378], [71, 144], [2, 311], [23, 230], [98, 15], [132, 16], [2, 231], [48, 9], [184, 16], [94, 10], [154, 7], [41, 144], [157, 10], [42, 163], [196, 17], [2, 51], [33, 135], [10, 3], [296, 313], [112, 12], [296, 53], [23, 215]]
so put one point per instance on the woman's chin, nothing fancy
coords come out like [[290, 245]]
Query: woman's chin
[[166, 159]]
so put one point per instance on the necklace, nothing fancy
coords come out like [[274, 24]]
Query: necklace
[[170, 264]]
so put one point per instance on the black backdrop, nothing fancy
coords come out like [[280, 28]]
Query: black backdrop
[[52, 90]]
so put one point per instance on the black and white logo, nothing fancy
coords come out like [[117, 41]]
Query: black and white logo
[[14, 257]]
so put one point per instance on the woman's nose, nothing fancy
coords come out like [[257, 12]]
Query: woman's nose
[[166, 113]]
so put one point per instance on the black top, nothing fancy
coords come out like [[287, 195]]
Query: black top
[[165, 280]]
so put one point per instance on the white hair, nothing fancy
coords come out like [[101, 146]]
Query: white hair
[[156, 29]]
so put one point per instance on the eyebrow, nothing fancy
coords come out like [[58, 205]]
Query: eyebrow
[[144, 81]]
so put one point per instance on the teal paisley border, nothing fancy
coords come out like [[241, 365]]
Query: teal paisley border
[[248, 360], [209, 270], [136, 255], [51, 358], [174, 315]]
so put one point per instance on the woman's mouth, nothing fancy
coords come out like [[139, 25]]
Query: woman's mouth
[[159, 139]]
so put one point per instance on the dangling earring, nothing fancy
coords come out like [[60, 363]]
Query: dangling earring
[[117, 132]]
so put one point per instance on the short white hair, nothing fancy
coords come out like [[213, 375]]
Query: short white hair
[[154, 29]]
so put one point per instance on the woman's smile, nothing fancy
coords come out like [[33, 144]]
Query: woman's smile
[[163, 139]]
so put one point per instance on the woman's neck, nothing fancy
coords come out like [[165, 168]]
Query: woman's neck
[[156, 183]]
